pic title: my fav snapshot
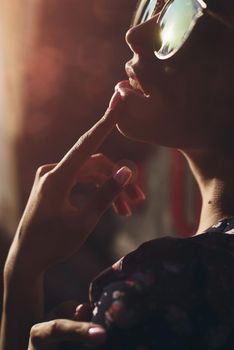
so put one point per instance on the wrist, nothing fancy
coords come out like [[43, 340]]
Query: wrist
[[21, 285], [19, 281], [21, 267], [24, 301]]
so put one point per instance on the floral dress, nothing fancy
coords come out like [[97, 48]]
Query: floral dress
[[170, 293]]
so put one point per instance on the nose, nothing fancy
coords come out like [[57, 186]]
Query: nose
[[144, 38]]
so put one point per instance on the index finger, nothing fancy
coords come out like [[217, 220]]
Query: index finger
[[86, 145]]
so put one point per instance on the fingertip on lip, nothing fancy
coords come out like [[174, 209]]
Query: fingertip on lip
[[123, 83], [133, 86], [126, 89]]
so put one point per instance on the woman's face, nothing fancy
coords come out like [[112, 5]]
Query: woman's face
[[190, 96]]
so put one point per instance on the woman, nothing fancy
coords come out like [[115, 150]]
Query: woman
[[170, 293]]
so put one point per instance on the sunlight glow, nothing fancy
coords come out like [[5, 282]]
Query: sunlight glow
[[167, 36]]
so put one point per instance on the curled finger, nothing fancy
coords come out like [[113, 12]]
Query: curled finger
[[121, 206], [104, 197]]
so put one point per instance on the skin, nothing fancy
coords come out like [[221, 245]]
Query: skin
[[52, 228], [189, 107], [74, 328]]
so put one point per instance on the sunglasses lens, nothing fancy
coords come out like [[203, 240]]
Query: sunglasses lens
[[176, 22], [145, 10]]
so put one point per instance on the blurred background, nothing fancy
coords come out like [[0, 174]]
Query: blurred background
[[59, 63]]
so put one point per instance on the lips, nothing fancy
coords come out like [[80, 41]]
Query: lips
[[126, 89], [134, 80], [136, 85]]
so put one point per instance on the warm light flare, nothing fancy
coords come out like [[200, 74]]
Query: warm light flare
[[167, 36]]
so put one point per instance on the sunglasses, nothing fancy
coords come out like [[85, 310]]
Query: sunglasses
[[176, 19]]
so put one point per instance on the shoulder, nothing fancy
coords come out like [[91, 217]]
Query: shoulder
[[180, 287], [169, 258]]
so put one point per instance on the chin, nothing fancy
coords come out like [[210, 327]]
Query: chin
[[157, 137], [146, 120], [134, 134]]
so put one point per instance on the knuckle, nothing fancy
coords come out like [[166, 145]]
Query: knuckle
[[81, 140], [36, 336], [41, 170], [53, 328], [83, 331], [46, 181]]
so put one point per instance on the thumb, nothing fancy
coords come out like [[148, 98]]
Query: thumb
[[46, 335], [106, 194]]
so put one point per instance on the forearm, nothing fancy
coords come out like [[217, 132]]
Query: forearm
[[22, 305]]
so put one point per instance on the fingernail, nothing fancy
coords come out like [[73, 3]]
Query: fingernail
[[123, 176], [115, 99], [79, 307], [97, 334], [78, 310]]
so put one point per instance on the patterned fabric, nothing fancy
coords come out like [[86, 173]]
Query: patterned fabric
[[170, 293]]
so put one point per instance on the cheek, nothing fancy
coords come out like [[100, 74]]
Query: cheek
[[205, 102], [209, 92]]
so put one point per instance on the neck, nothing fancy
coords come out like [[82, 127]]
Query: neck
[[214, 173]]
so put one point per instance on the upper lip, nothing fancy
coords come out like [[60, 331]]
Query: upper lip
[[130, 71]]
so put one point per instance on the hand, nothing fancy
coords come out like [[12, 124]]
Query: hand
[[52, 228], [98, 169], [50, 335]]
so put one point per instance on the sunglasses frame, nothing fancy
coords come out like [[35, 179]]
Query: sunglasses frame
[[199, 13], [206, 9]]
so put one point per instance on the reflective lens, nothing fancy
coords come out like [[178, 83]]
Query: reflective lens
[[145, 10], [176, 22]]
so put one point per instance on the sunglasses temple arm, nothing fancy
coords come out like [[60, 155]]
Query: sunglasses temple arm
[[221, 19]]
